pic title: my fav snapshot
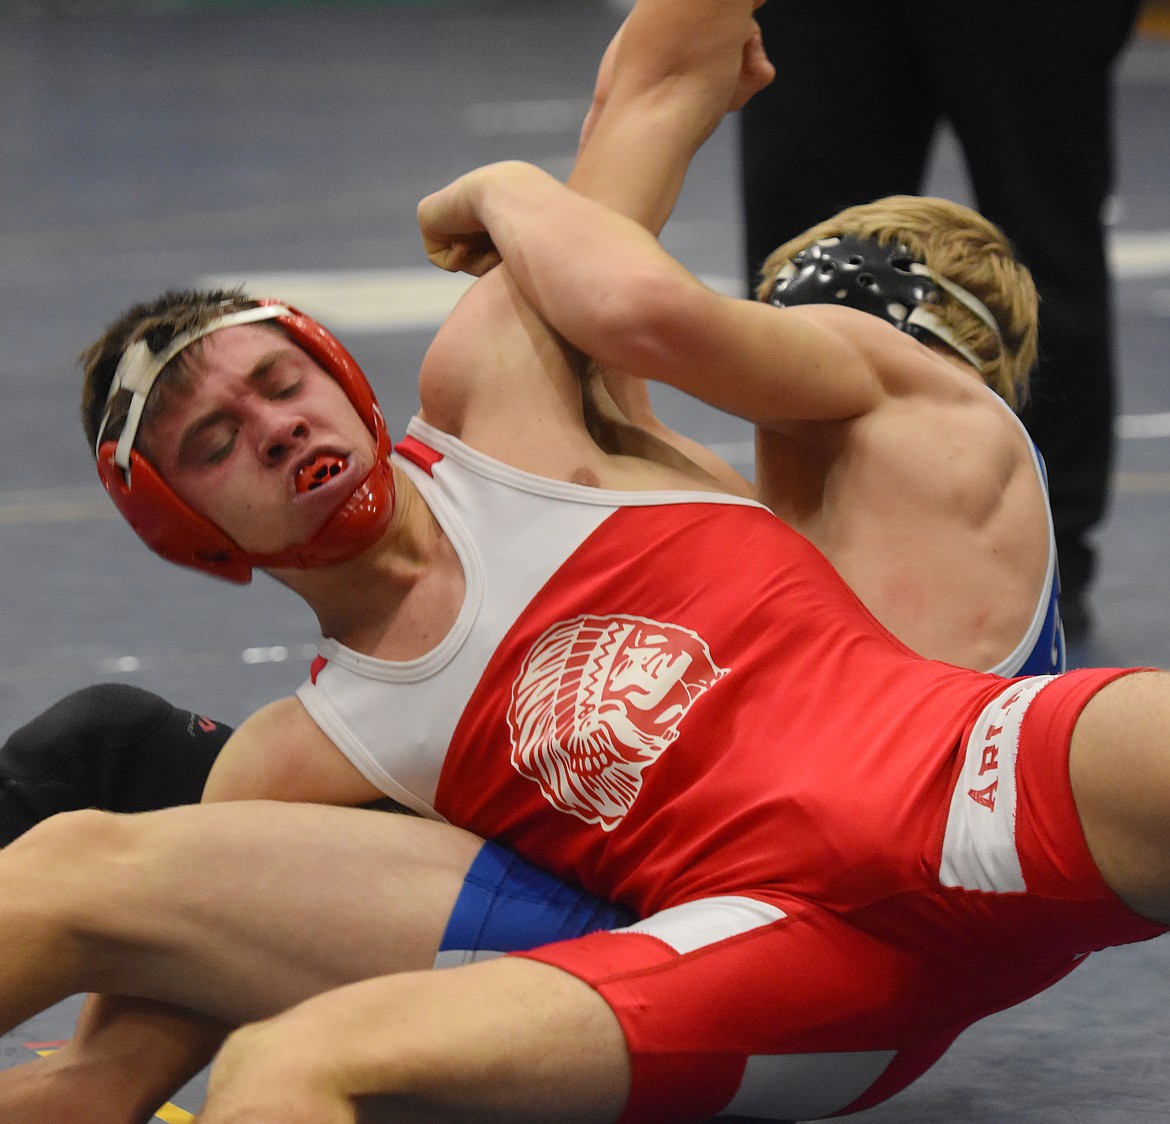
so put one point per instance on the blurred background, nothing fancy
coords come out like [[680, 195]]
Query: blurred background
[[284, 145], [145, 145]]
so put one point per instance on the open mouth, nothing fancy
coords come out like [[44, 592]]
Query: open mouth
[[318, 472]]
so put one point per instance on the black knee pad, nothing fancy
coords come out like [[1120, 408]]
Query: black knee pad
[[111, 746]]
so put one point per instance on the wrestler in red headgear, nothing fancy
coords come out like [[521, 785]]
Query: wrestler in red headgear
[[172, 528]]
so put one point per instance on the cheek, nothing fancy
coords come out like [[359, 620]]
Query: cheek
[[220, 497], [366, 453], [361, 444]]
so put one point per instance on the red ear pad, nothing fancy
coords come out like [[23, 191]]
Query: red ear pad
[[167, 524], [174, 530]]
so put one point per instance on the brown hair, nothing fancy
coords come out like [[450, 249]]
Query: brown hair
[[157, 322], [961, 245]]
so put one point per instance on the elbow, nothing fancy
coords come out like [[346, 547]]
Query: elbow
[[645, 319]]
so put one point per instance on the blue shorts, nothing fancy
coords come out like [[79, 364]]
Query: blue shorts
[[509, 905]]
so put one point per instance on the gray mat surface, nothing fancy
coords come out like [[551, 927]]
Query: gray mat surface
[[141, 151]]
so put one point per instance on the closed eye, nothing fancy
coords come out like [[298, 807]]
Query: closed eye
[[280, 383], [277, 376], [209, 442], [217, 455]]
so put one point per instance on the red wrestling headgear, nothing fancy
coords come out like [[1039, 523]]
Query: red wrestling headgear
[[172, 528]]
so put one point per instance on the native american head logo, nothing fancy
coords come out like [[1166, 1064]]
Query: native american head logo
[[597, 701]]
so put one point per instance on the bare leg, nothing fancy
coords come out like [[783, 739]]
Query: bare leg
[[1119, 763], [233, 910], [509, 1040], [124, 1060]]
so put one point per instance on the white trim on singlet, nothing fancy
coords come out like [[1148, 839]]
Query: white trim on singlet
[[979, 849], [1011, 664], [393, 719], [798, 1086], [532, 484]]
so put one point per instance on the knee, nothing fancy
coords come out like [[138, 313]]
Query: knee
[[80, 728], [72, 889], [74, 841], [112, 746], [65, 875]]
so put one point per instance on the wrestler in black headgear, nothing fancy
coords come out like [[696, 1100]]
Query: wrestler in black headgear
[[884, 279]]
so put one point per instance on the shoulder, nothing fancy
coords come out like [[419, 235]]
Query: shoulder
[[494, 364], [283, 718], [280, 753], [498, 379]]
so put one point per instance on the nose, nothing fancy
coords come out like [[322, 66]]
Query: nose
[[284, 436]]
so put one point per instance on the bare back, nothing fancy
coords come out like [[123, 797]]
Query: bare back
[[930, 505], [928, 501]]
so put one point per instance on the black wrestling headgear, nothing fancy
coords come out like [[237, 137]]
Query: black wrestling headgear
[[884, 280]]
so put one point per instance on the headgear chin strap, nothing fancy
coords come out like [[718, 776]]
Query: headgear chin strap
[[175, 530], [885, 280]]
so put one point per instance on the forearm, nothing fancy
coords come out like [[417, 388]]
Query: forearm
[[674, 70], [607, 287], [594, 275], [129, 1056]]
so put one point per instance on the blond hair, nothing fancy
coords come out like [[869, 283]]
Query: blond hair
[[961, 245]]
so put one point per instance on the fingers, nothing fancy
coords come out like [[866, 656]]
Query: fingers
[[452, 235], [472, 254], [475, 257], [755, 72]]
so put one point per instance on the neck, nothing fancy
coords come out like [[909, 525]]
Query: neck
[[954, 359], [395, 600]]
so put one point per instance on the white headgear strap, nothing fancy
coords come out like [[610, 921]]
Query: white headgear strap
[[927, 320], [139, 369]]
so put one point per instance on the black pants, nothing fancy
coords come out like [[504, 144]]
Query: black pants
[[1026, 86]]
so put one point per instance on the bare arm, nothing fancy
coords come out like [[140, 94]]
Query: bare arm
[[280, 753], [669, 76], [607, 286], [673, 71], [662, 87]]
